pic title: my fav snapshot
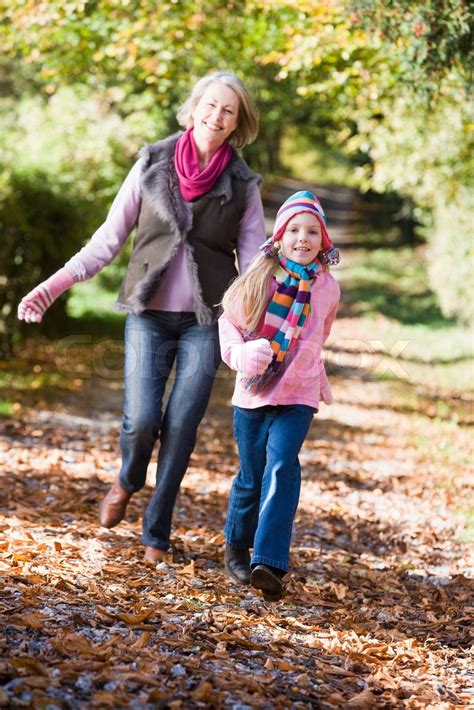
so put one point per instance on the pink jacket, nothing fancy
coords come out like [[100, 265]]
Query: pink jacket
[[304, 380]]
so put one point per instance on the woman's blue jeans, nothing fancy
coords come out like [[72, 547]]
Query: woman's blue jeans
[[265, 492], [154, 341]]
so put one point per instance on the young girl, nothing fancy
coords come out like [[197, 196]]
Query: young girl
[[275, 320]]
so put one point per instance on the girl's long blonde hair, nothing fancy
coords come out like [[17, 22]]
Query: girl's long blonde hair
[[246, 299]]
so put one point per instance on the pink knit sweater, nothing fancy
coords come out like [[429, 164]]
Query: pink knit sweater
[[305, 380]]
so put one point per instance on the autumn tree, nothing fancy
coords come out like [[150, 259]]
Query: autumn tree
[[384, 81]]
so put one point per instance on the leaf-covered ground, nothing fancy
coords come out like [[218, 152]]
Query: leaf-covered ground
[[378, 607]]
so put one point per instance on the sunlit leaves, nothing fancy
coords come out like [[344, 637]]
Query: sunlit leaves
[[376, 609], [429, 39], [365, 76]]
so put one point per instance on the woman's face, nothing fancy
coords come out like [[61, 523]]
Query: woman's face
[[216, 115], [301, 240]]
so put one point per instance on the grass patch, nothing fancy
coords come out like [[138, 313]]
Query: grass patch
[[466, 518], [394, 282], [92, 308], [6, 408], [90, 299], [386, 292]]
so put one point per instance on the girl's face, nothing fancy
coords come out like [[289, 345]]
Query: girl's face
[[216, 114], [301, 240]]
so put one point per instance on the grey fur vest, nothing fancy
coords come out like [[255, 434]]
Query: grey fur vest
[[208, 228]]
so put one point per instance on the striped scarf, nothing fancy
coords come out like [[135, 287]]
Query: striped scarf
[[285, 316]]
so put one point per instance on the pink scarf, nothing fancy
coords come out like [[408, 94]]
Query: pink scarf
[[192, 181]]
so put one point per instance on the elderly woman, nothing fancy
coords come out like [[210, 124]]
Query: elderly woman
[[195, 204]]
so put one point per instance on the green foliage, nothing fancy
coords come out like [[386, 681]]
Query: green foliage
[[95, 299], [75, 137], [389, 80], [389, 293], [424, 151], [466, 517], [63, 161], [430, 38], [452, 255], [38, 226], [137, 52], [382, 81], [417, 130], [394, 283], [317, 160], [6, 409]]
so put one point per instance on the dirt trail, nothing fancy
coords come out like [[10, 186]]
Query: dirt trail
[[378, 606]]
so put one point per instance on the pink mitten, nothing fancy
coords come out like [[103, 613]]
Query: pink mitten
[[324, 386], [251, 358], [32, 306]]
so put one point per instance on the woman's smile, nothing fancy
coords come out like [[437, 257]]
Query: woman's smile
[[215, 116]]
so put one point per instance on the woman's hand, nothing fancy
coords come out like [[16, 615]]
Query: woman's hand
[[33, 306], [252, 358]]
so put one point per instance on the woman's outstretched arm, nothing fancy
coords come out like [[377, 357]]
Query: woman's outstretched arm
[[102, 248]]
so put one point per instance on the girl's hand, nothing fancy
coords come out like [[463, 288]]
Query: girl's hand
[[32, 306], [253, 357]]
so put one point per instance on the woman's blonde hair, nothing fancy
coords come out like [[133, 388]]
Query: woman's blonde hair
[[246, 299], [247, 121]]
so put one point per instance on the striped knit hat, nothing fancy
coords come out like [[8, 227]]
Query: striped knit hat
[[303, 201]]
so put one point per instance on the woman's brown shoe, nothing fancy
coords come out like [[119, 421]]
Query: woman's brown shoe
[[113, 507], [152, 555]]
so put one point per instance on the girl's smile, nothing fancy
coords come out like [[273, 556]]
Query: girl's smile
[[301, 240]]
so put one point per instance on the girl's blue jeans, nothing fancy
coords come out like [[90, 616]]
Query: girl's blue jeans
[[154, 341], [265, 492]]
